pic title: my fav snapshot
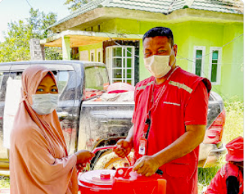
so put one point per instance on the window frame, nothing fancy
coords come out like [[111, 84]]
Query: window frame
[[109, 63], [203, 48], [90, 54], [219, 49], [97, 52]]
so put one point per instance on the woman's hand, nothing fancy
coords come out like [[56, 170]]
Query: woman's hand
[[83, 157]]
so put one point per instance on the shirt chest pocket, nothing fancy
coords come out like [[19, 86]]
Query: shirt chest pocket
[[171, 99], [169, 111]]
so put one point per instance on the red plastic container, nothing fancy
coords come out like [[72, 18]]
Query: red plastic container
[[127, 181], [122, 181], [96, 181]]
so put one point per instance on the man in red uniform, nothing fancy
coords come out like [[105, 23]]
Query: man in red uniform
[[229, 179], [170, 116]]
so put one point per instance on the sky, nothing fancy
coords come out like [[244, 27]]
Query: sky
[[15, 10]]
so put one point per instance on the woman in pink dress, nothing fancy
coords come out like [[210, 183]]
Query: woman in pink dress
[[39, 162]]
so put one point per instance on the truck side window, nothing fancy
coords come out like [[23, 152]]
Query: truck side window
[[4, 76], [18, 76], [96, 78], [3, 80], [62, 79]]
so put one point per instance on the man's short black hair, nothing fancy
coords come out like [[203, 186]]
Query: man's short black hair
[[160, 31]]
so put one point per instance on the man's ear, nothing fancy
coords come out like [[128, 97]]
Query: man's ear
[[175, 48]]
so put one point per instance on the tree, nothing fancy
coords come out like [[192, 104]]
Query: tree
[[75, 4], [16, 46]]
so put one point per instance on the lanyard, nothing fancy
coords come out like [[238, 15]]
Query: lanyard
[[153, 107], [155, 104]]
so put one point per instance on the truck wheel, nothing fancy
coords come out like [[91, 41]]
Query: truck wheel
[[109, 160]]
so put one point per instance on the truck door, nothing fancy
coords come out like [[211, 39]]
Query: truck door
[[67, 90]]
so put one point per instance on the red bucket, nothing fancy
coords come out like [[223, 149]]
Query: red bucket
[[122, 181], [96, 181]]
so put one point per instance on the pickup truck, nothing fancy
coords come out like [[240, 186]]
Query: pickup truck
[[90, 121]]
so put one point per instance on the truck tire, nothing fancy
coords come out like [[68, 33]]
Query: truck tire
[[109, 160]]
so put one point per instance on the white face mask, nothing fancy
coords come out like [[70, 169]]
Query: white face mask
[[44, 104], [157, 65]]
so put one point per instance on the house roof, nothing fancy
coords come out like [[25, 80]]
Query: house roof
[[161, 6]]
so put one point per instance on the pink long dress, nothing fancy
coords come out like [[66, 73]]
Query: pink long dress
[[39, 162]]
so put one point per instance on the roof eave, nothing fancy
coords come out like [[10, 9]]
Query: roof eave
[[100, 14], [86, 37]]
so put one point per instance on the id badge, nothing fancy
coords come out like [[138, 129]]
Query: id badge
[[142, 146]]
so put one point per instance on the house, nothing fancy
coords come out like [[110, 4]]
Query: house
[[209, 35]]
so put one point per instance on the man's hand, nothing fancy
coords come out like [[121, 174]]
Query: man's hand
[[83, 157], [123, 148], [146, 165]]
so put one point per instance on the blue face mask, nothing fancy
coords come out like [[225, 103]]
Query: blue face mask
[[44, 104]]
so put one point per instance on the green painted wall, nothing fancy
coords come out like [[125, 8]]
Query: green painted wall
[[182, 38], [109, 25], [90, 47], [186, 36], [233, 67], [66, 50], [207, 35], [194, 33]]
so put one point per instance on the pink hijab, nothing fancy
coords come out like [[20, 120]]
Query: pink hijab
[[39, 162]]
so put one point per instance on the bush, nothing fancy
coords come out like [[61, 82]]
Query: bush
[[234, 119], [4, 182], [205, 175], [233, 128]]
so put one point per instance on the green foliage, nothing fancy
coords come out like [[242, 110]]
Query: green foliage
[[16, 46], [234, 119], [53, 53], [205, 175], [233, 128], [4, 182], [76, 4]]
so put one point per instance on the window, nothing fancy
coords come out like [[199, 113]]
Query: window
[[4, 79], [120, 63], [62, 79], [199, 56], [96, 79], [99, 55], [92, 57], [214, 69]]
